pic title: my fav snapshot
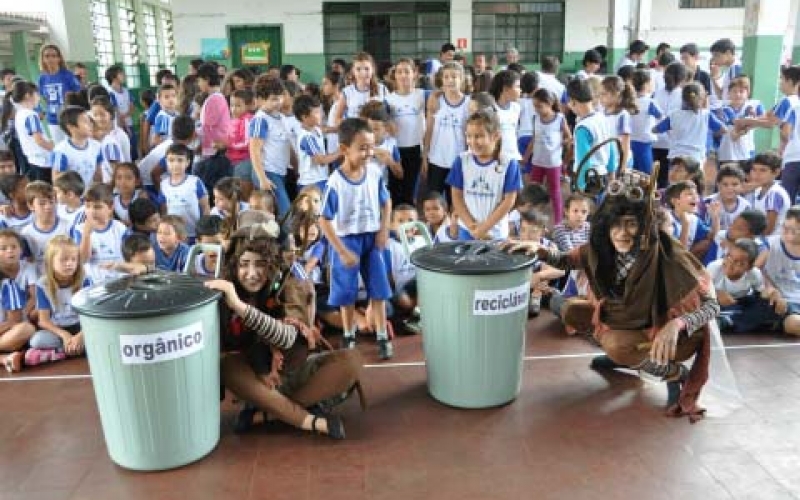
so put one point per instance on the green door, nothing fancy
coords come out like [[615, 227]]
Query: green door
[[255, 47]]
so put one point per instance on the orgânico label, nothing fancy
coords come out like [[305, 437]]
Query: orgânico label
[[162, 346]]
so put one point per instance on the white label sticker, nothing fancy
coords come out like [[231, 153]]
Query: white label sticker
[[496, 302], [162, 346]]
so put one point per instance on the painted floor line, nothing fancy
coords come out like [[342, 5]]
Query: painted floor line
[[422, 363]]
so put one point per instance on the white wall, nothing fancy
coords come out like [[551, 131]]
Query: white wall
[[69, 23], [197, 19], [701, 26], [586, 24]]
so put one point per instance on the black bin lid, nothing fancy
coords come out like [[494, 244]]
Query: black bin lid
[[469, 258], [152, 294]]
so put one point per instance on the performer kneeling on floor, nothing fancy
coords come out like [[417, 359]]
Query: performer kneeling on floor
[[650, 300]]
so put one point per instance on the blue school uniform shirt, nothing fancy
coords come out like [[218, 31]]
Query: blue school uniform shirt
[[354, 207], [175, 262], [163, 124], [689, 132], [782, 107], [698, 230], [277, 145], [61, 312], [183, 199], [84, 160], [54, 88]]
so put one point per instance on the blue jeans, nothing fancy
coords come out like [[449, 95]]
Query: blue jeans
[[281, 196]]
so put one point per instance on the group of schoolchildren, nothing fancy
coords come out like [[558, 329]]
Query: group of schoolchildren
[[364, 158]]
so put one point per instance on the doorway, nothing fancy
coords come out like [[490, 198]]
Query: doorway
[[377, 36], [255, 47]]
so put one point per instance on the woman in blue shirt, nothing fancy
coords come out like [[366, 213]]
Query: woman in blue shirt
[[55, 81]]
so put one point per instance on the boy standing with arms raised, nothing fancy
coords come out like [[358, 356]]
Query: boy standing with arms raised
[[356, 211]]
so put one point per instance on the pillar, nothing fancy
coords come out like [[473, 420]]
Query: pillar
[[22, 58], [619, 26], [765, 23]]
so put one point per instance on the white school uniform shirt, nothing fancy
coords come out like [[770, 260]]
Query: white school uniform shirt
[[310, 143], [726, 217], [548, 141], [112, 153], [484, 186], [689, 132], [332, 138], [293, 126], [744, 147], [724, 81], [694, 224], [667, 102], [163, 123], [121, 209], [783, 269], [73, 217], [408, 113], [389, 145], [403, 271], [122, 101], [15, 222], [354, 207], [27, 123], [774, 199], [106, 243], [752, 281], [183, 199], [276, 149], [355, 99], [642, 122], [791, 153], [27, 276], [448, 137], [153, 158], [620, 124], [84, 160], [597, 125], [526, 115], [61, 312], [508, 118], [36, 239], [551, 83], [124, 142], [243, 207]]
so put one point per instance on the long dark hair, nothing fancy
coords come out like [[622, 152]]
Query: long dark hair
[[610, 211], [267, 248]]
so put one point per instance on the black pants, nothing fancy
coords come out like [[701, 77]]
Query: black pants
[[660, 156], [436, 180], [402, 190]]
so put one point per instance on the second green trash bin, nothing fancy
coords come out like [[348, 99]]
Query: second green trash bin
[[474, 305], [153, 348]]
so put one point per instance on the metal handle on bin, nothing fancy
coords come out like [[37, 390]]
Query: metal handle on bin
[[196, 250], [421, 228]]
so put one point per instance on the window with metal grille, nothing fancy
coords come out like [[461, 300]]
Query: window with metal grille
[[151, 41], [103, 36], [129, 46], [387, 30], [711, 4], [535, 28], [167, 40]]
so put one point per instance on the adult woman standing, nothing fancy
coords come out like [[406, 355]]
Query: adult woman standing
[[249, 333], [215, 115], [55, 81]]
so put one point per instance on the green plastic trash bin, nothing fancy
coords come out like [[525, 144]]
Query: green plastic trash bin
[[153, 348], [474, 305]]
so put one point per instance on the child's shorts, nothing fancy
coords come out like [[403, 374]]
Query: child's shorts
[[344, 280]]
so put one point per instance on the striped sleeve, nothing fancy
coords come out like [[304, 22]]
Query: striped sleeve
[[310, 146], [112, 152], [268, 329], [33, 125], [258, 128], [708, 310], [11, 296]]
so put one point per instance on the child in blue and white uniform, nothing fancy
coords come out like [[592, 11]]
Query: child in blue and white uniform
[[484, 184]]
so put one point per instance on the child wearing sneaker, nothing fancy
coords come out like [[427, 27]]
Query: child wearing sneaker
[[59, 324], [356, 210]]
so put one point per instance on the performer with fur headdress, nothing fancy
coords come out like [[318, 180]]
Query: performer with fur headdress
[[650, 300]]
